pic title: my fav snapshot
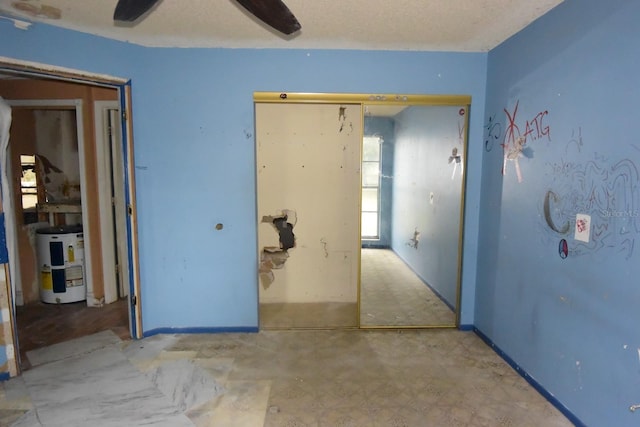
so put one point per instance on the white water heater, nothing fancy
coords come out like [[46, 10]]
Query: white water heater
[[60, 253]]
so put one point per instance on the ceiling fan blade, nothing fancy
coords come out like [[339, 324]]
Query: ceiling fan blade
[[130, 10], [273, 13]]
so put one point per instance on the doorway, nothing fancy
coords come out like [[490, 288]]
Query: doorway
[[389, 168], [104, 156]]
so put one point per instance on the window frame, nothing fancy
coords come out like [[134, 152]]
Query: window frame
[[369, 186]]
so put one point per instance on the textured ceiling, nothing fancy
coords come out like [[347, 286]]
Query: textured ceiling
[[428, 25]]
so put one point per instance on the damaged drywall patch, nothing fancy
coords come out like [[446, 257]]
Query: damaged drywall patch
[[270, 259], [274, 258]]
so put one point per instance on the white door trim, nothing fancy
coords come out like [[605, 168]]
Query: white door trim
[[77, 104], [103, 170]]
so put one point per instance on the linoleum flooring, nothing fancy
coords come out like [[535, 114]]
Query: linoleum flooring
[[84, 370], [437, 377], [394, 295]]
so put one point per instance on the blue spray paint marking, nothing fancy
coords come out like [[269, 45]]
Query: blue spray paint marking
[[4, 254]]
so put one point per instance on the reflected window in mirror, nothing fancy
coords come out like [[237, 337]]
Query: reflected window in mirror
[[370, 228]]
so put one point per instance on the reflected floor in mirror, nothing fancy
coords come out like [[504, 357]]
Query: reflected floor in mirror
[[391, 294]]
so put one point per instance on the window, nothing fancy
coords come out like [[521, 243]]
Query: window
[[28, 184], [370, 228], [28, 188]]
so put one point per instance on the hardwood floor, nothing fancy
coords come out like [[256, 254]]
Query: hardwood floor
[[40, 324]]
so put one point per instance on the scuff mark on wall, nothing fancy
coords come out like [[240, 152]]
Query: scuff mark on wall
[[342, 119], [413, 242], [342, 113], [579, 369], [456, 159], [272, 257], [323, 241]]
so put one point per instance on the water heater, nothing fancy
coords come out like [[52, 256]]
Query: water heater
[[60, 252]]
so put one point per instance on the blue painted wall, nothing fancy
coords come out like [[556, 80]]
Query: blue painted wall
[[427, 195], [194, 152], [571, 323], [383, 127], [568, 84]]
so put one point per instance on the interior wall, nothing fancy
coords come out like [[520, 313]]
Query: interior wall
[[383, 127], [564, 306], [57, 140], [427, 194], [308, 181], [193, 123]]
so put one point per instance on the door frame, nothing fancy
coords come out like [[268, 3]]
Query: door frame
[[387, 100], [123, 87], [77, 106], [108, 150]]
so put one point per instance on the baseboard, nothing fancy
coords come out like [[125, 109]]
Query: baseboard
[[434, 290], [466, 327], [535, 384], [5, 376], [203, 330]]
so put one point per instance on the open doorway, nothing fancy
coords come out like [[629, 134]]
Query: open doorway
[[66, 135]]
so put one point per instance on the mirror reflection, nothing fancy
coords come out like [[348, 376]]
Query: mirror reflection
[[412, 192]]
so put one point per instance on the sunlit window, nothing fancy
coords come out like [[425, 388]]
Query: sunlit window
[[28, 183], [370, 228]]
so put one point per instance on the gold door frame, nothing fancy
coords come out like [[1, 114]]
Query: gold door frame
[[400, 100]]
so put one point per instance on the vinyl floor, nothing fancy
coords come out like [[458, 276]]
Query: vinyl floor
[[436, 377]]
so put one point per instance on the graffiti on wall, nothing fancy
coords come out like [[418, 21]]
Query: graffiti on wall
[[605, 189], [493, 133], [574, 146], [602, 188]]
